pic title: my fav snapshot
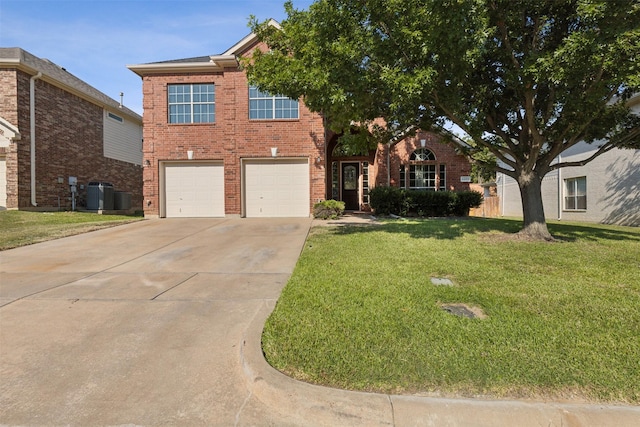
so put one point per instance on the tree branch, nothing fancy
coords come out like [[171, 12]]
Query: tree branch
[[505, 39], [502, 134], [608, 146]]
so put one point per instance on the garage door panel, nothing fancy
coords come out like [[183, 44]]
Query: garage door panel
[[194, 190], [277, 188]]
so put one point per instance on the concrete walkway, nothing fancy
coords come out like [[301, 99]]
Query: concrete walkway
[[159, 323]]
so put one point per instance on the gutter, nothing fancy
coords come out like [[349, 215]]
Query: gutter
[[32, 137]]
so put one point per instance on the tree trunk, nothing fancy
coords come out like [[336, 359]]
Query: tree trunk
[[535, 225]]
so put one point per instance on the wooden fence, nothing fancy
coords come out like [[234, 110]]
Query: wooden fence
[[490, 207]]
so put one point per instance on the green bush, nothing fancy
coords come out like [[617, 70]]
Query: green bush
[[466, 201], [392, 200], [328, 209], [386, 200]]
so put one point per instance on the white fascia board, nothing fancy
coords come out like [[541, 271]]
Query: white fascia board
[[224, 61], [216, 63], [9, 130], [248, 40]]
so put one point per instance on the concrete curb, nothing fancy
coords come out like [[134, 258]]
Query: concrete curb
[[301, 403]]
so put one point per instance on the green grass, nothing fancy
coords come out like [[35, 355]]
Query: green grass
[[360, 312], [20, 228]]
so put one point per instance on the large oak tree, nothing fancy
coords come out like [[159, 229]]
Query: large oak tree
[[525, 79]]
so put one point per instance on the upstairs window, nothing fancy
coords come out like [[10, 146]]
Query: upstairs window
[[264, 106], [192, 103]]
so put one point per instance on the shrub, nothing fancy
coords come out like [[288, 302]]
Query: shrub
[[466, 201], [386, 200], [328, 209], [392, 200]]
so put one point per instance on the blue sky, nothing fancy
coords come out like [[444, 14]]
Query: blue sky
[[96, 39]]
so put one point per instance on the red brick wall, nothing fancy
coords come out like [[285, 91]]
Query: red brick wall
[[457, 165], [232, 137], [69, 142]]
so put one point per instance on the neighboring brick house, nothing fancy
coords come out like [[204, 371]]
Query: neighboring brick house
[[214, 146], [54, 126]]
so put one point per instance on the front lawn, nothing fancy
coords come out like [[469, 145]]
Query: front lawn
[[20, 228], [563, 319]]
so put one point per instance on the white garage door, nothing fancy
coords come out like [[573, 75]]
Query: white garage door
[[194, 189], [3, 183], [277, 188]]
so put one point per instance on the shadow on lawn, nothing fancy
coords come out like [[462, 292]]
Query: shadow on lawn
[[453, 228], [573, 232]]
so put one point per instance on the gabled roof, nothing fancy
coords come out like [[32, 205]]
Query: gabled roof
[[211, 63], [15, 57]]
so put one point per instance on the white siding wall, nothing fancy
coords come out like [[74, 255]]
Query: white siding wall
[[122, 140], [613, 188]]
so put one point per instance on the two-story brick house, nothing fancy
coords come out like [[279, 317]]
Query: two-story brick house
[[214, 146], [54, 126]]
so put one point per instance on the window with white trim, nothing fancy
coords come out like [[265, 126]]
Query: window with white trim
[[365, 182], [443, 177], [423, 171], [264, 106], [575, 194], [335, 181], [192, 103]]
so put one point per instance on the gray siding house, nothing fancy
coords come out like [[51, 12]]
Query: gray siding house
[[606, 190]]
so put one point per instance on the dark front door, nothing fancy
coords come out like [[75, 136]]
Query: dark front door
[[350, 175]]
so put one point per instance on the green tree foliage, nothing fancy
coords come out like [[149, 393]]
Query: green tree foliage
[[523, 79], [483, 165]]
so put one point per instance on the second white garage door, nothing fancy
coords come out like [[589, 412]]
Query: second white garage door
[[194, 189], [277, 188]]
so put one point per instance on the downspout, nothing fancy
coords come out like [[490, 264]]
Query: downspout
[[389, 164], [560, 188], [502, 185], [32, 138]]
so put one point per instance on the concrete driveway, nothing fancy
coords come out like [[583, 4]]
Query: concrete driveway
[[159, 323], [139, 324]]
